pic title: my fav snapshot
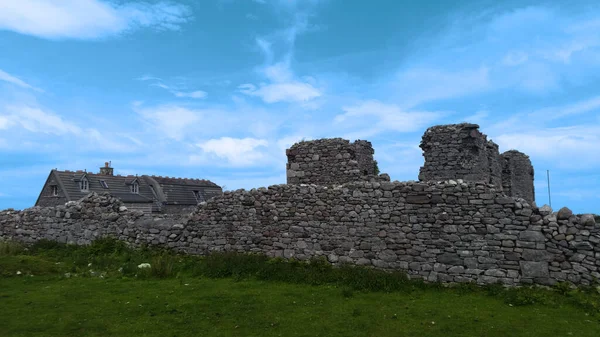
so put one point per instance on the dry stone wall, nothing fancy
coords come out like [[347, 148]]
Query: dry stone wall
[[450, 231]]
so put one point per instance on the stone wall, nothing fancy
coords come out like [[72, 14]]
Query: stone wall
[[517, 175], [460, 151], [450, 231], [329, 161]]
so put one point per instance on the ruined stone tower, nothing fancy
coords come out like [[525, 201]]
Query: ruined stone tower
[[460, 151], [329, 161], [517, 175]]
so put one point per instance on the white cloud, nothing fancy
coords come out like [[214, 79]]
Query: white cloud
[[192, 94], [4, 122], [4, 76], [568, 147], [148, 78], [37, 120], [173, 90], [282, 92], [170, 120], [237, 151], [376, 117], [282, 86], [578, 108], [87, 19]]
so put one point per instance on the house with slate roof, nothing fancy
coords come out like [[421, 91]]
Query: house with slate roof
[[150, 194]]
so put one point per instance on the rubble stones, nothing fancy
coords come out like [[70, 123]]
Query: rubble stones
[[564, 214]]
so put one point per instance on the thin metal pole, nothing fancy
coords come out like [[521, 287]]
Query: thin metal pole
[[549, 198]]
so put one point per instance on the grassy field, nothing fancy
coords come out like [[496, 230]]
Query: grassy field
[[57, 290]]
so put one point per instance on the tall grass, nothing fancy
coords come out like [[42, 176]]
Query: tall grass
[[10, 248], [111, 258]]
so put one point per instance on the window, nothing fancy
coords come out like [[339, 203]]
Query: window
[[84, 184], [103, 184], [54, 190], [135, 188]]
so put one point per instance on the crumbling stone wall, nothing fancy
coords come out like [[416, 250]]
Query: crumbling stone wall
[[517, 175], [460, 151], [329, 161], [451, 231]]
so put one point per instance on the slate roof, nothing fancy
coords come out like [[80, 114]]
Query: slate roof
[[119, 186], [182, 191], [157, 189]]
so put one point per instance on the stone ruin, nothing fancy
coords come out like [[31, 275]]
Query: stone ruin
[[332, 161], [452, 152], [464, 222], [460, 151]]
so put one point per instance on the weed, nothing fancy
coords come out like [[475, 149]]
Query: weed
[[162, 266], [10, 248]]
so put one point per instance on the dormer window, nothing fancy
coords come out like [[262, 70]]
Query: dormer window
[[54, 190], [84, 184], [135, 187]]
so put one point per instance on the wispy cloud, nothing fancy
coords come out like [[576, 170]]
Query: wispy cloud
[[283, 85], [4, 76], [237, 151], [178, 92], [88, 19], [566, 147], [37, 120], [373, 117], [171, 121]]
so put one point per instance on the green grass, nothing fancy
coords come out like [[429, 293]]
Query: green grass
[[55, 294]]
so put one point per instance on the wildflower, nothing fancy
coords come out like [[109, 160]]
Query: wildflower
[[144, 265], [89, 264], [19, 273]]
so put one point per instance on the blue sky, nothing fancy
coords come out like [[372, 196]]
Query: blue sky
[[218, 89]]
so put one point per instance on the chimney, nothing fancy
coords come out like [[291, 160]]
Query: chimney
[[106, 170]]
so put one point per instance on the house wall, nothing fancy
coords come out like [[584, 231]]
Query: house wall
[[46, 197]]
